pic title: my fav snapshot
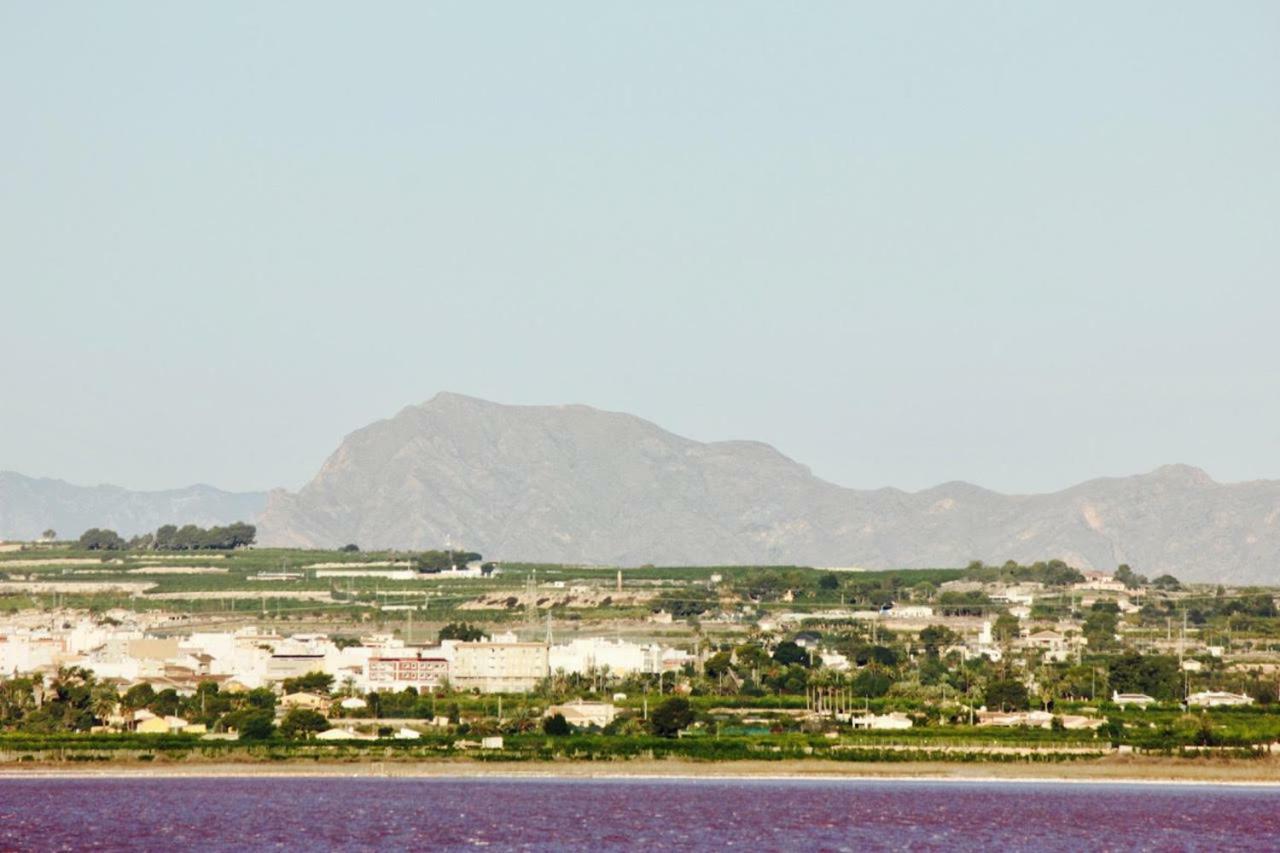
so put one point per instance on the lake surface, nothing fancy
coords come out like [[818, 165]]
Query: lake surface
[[387, 814]]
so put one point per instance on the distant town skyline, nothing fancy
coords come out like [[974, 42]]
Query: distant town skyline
[[1021, 246]]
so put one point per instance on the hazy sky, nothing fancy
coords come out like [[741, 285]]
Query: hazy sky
[[1021, 244]]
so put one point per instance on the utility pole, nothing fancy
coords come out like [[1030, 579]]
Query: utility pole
[[1182, 638]]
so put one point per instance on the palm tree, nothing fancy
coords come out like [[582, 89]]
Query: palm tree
[[17, 699], [103, 701]]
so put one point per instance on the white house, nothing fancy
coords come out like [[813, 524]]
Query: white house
[[584, 714], [895, 720], [1218, 699]]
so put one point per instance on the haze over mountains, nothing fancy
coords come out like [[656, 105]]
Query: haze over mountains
[[576, 484], [28, 506]]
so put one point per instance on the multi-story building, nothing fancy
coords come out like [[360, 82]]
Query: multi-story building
[[423, 674], [596, 654], [492, 667]]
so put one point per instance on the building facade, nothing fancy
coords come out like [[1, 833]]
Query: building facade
[[499, 667], [396, 673]]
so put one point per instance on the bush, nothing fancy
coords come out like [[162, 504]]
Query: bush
[[556, 726]]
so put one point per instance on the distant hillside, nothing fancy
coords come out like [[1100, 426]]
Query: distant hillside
[[29, 506], [575, 484]]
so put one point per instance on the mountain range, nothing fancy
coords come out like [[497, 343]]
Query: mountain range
[[579, 485], [29, 506]]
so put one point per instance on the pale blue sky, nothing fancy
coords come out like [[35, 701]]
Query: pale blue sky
[[1021, 244]]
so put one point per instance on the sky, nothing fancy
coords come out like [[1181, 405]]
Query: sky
[[1019, 244]]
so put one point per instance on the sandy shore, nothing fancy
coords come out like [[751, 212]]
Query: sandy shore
[[1113, 771]]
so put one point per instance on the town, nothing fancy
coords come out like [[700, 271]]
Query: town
[[111, 649]]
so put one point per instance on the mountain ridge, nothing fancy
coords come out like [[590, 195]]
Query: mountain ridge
[[29, 505], [572, 483]]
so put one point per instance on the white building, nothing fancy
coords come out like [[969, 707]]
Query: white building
[[596, 654], [1217, 699], [895, 720], [834, 660], [422, 671], [584, 714], [908, 611], [492, 667]]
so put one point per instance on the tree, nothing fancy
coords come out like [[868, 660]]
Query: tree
[[717, 665], [1100, 629], [95, 539], [138, 696], [788, 653], [312, 682], [193, 538], [1006, 627], [937, 637], [883, 656], [1128, 577], [163, 539], [556, 726], [1168, 583], [1261, 605], [350, 548], [17, 699], [684, 604], [670, 717], [302, 722], [49, 534], [166, 702], [145, 542], [251, 723], [261, 698], [1058, 573], [104, 700], [829, 581], [1155, 675], [871, 683], [933, 671], [924, 591], [462, 631], [750, 657], [1007, 694], [963, 603], [433, 562]]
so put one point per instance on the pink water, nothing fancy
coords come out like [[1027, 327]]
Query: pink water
[[384, 814]]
